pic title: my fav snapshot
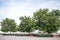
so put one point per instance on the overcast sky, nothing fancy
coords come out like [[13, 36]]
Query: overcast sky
[[15, 8]]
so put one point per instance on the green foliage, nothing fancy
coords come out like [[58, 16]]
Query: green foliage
[[8, 25], [43, 19], [26, 24], [55, 12], [47, 21]]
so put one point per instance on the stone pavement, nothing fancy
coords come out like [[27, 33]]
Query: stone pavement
[[27, 38]]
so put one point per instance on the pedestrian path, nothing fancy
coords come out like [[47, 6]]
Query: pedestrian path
[[27, 38]]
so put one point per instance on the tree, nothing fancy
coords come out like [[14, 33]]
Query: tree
[[8, 25], [27, 24], [55, 12], [46, 21]]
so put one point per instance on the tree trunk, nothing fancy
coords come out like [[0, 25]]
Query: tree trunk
[[10, 32], [29, 33], [49, 34]]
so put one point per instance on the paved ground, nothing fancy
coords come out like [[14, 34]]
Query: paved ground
[[26, 38]]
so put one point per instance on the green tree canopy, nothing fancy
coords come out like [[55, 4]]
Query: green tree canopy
[[8, 25], [47, 21], [27, 24]]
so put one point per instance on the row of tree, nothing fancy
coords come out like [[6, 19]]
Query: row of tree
[[43, 19]]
